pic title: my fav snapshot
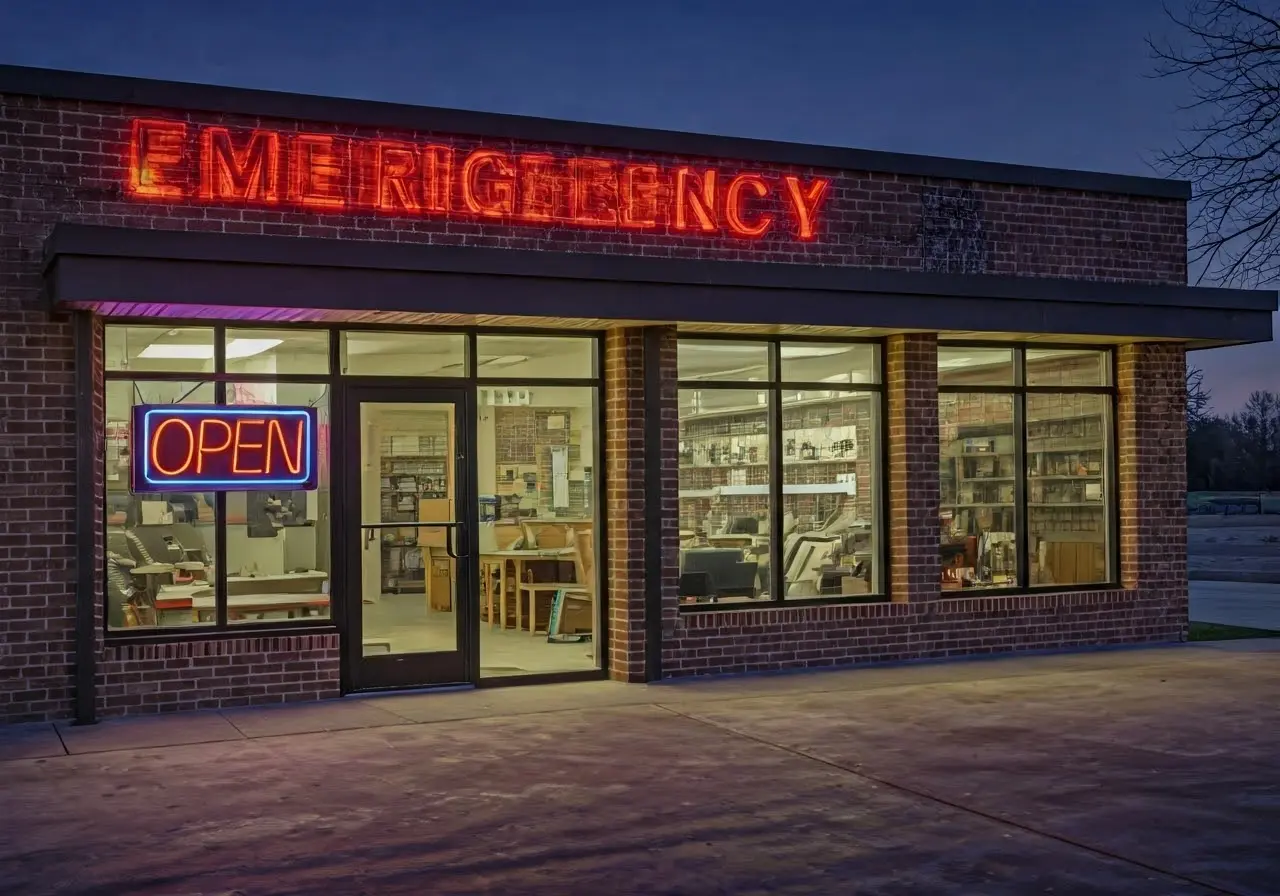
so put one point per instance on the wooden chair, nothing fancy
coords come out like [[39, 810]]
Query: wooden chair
[[583, 589]]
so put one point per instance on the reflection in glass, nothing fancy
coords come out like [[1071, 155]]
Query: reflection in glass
[[160, 548], [150, 349], [408, 353], [817, 362], [408, 579], [562, 357], [277, 351], [538, 548], [1067, 488], [1068, 367], [278, 557], [968, 366], [829, 494], [710, 360], [978, 474], [724, 494]]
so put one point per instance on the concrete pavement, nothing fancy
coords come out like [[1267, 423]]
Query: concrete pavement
[[1246, 604], [1149, 771]]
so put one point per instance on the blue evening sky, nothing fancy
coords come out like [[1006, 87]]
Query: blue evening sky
[[1027, 81]]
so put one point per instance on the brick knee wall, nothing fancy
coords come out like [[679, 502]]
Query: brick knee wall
[[762, 640], [216, 674]]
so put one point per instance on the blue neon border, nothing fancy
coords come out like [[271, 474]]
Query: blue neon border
[[143, 483]]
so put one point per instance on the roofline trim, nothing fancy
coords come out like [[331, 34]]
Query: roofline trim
[[156, 94]]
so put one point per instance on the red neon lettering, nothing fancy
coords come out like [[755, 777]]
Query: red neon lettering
[[156, 152], [241, 445], [805, 201], [539, 185], [155, 447], [638, 206], [316, 174], [437, 177], [170, 161], [733, 206], [594, 197], [702, 206], [250, 174], [492, 196], [275, 433], [205, 448]]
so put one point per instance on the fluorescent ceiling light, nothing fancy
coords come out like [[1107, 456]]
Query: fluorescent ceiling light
[[503, 360], [177, 351], [247, 348], [790, 352], [955, 362]]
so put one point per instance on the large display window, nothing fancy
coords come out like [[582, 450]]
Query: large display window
[[780, 474], [1026, 445]]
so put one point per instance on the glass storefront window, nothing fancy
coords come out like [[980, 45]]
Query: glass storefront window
[[267, 352], [160, 548], [152, 349], [278, 548], [818, 362], [535, 357], [1068, 367], [539, 532], [1025, 475], [722, 360], [725, 494], [403, 353], [830, 493], [962, 366], [1068, 490], [977, 469]]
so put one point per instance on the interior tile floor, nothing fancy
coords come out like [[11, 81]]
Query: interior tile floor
[[405, 624]]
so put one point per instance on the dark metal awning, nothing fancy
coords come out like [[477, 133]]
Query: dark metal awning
[[153, 273]]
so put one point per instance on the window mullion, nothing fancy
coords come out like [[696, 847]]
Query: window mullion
[[1021, 510], [220, 536]]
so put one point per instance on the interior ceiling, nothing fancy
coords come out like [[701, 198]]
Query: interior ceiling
[[429, 319]]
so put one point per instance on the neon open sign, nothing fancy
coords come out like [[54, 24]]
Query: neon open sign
[[209, 448], [173, 161]]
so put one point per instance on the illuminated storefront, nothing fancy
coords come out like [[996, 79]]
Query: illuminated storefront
[[312, 396]]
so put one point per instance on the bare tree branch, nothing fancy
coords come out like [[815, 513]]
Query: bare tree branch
[[1229, 52]]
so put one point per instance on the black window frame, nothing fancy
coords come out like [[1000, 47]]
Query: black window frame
[[776, 386], [1018, 390]]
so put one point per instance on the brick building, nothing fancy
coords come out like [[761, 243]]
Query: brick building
[[575, 401]]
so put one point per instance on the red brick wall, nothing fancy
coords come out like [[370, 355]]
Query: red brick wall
[[64, 161], [218, 673]]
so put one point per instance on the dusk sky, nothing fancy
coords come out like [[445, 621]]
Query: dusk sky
[[1025, 81]]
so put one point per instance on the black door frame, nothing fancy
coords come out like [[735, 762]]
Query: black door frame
[[408, 671]]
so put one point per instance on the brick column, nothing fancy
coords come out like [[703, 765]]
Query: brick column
[[911, 386], [1152, 445]]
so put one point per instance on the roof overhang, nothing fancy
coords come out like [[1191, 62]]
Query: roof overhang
[[127, 272]]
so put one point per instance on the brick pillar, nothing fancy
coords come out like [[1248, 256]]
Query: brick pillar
[[1152, 445], [911, 385]]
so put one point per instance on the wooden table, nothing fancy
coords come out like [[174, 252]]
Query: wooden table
[[518, 560], [240, 605]]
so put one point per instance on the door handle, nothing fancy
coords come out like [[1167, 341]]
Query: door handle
[[450, 548]]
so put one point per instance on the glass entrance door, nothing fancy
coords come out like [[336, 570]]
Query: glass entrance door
[[409, 598]]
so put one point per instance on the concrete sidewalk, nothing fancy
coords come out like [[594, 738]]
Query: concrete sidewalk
[[1246, 604], [1148, 771]]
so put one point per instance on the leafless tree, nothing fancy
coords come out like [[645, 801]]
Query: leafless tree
[[1198, 398], [1229, 50]]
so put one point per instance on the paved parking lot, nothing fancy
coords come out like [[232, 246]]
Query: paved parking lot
[[1149, 771]]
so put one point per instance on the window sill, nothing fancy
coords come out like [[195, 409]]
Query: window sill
[[210, 633], [731, 605], [963, 593]]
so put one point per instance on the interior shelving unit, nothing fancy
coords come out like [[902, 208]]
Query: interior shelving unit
[[414, 466]]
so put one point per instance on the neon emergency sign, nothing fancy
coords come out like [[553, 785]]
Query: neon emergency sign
[[178, 162], [219, 448]]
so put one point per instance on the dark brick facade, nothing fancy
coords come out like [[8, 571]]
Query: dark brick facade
[[64, 161]]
